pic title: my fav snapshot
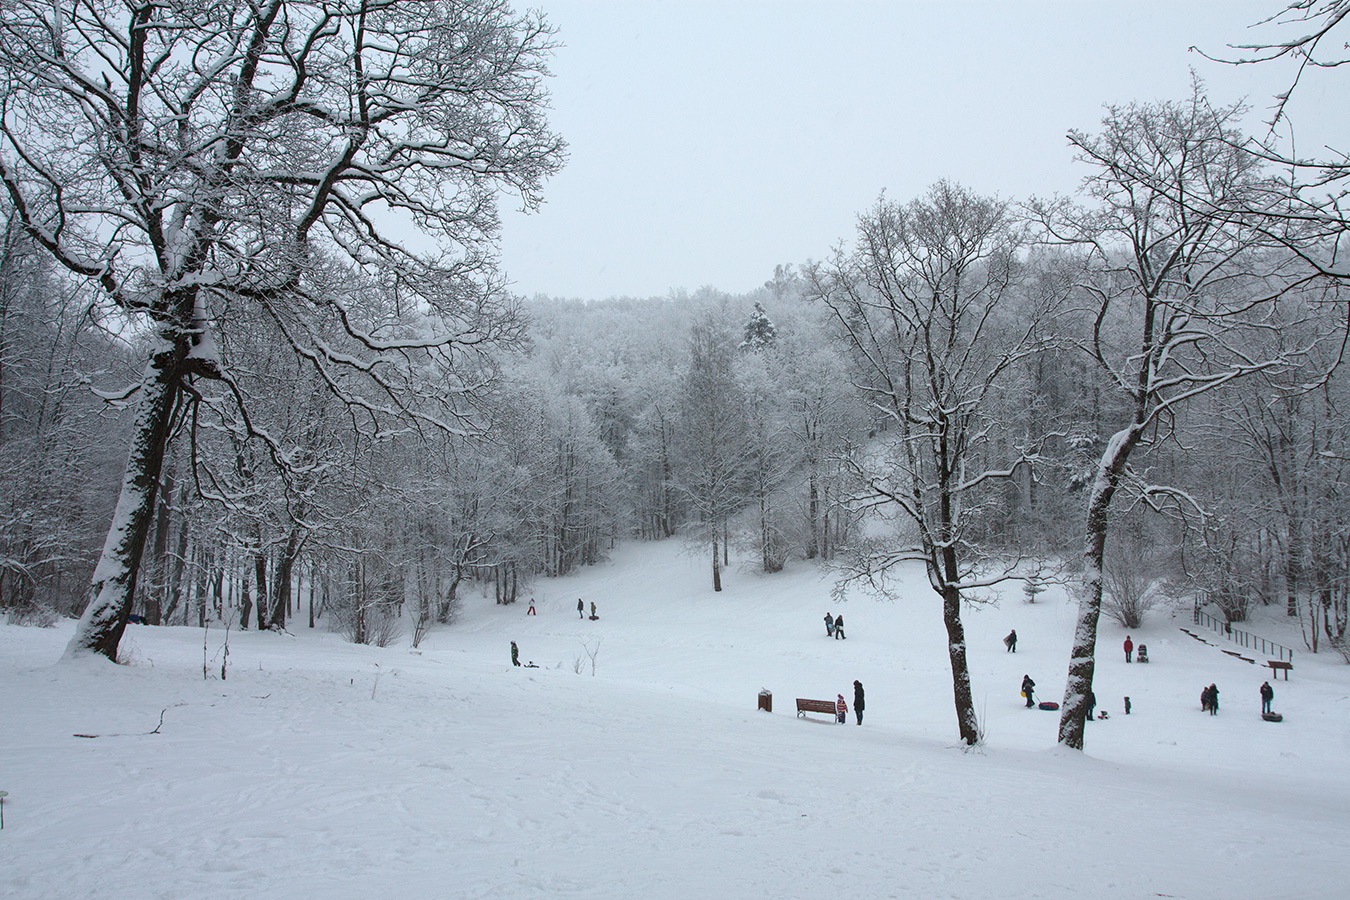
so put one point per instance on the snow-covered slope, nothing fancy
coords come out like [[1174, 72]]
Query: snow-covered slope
[[323, 769]]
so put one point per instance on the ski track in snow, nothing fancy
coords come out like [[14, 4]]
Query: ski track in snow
[[463, 777]]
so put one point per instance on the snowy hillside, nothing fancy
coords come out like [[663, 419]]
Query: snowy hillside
[[325, 769]]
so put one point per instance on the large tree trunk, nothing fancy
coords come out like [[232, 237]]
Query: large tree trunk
[[108, 601], [281, 602], [1082, 661], [956, 650]]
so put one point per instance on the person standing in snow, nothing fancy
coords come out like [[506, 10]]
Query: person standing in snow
[[839, 627], [841, 709], [530, 611], [1129, 648], [1091, 705], [858, 700], [1213, 699], [581, 609], [1028, 688], [593, 615], [1267, 695], [515, 654], [829, 625], [1011, 641]]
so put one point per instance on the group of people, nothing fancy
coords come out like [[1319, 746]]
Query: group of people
[[841, 706], [581, 609], [834, 627]]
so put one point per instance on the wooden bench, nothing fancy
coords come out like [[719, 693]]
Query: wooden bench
[[1276, 665], [816, 706]]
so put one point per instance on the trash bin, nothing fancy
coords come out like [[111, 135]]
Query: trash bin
[[766, 701]]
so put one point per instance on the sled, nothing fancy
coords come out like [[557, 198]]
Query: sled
[[1272, 717], [594, 618], [1048, 704]]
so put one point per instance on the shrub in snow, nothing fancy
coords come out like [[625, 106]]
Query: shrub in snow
[[35, 614], [1130, 592]]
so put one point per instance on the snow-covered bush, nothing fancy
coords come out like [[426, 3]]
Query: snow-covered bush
[[38, 615], [1131, 590]]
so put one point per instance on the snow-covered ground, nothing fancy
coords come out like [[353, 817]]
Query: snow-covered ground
[[324, 769]]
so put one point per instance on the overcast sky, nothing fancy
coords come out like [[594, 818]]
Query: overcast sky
[[709, 141]]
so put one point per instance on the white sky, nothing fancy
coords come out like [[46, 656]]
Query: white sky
[[709, 141]]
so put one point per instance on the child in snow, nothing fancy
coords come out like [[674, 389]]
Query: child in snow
[[1028, 688], [593, 615], [1011, 641], [515, 654], [839, 627], [1129, 647], [530, 611], [829, 625], [840, 708]]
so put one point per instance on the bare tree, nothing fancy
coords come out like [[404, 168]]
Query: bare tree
[[205, 161], [923, 305], [712, 439], [1173, 298]]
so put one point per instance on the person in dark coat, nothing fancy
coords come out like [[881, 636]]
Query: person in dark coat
[[1091, 704], [1129, 648], [1028, 689], [1204, 699], [515, 654], [1213, 700], [593, 615], [581, 609], [1267, 695], [839, 627], [858, 700], [1011, 641], [829, 625]]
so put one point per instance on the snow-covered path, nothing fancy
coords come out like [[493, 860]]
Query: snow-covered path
[[322, 769]]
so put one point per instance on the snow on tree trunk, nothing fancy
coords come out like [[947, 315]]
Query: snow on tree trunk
[[1082, 659], [108, 601]]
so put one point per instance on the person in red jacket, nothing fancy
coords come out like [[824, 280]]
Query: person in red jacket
[[1129, 648], [840, 708]]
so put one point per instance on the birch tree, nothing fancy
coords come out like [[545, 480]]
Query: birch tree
[[1180, 285], [199, 161], [923, 305]]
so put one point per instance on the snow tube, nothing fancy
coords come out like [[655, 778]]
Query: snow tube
[[1048, 704], [1272, 717]]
